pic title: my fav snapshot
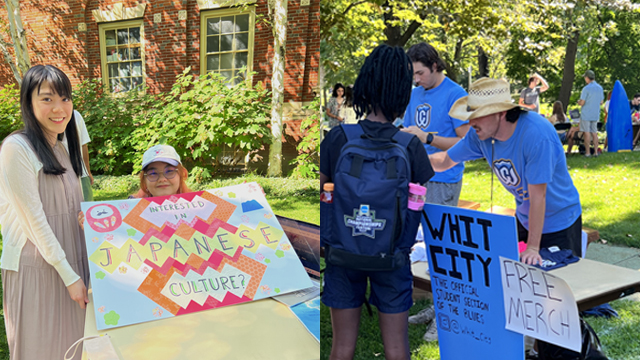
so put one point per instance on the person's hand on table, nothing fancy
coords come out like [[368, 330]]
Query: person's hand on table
[[531, 256]]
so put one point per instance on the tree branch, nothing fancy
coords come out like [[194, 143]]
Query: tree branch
[[352, 6], [334, 19], [415, 24]]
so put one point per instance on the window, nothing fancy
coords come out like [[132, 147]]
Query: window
[[226, 42], [122, 54]]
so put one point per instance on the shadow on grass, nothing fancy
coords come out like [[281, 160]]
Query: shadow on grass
[[623, 231], [619, 336]]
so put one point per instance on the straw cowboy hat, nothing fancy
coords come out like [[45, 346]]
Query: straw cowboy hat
[[486, 96]]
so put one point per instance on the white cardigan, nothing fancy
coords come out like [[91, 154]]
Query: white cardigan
[[21, 213]]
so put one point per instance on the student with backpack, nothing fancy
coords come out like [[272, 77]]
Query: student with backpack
[[368, 229]]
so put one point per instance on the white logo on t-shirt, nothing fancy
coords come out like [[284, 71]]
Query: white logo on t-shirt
[[506, 172], [423, 116]]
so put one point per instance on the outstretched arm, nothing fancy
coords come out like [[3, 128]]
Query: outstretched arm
[[441, 161], [440, 142]]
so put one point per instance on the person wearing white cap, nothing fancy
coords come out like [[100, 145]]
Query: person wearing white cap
[[526, 155], [162, 173]]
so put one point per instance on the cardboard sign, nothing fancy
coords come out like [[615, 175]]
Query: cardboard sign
[[161, 257], [463, 250], [540, 305]]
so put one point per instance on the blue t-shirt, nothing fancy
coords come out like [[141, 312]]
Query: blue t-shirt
[[429, 110], [532, 155], [592, 95]]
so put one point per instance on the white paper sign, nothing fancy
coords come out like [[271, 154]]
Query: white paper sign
[[540, 305]]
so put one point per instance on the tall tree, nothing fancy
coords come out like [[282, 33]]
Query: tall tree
[[278, 13], [455, 28], [19, 61], [578, 19]]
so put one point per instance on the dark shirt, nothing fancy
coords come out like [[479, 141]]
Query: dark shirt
[[530, 97], [421, 170]]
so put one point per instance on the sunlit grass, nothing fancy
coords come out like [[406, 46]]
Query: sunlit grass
[[608, 187]]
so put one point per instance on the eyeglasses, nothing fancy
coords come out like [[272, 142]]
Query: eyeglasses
[[168, 174]]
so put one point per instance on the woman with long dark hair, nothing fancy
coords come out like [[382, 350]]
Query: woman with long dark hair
[[44, 261], [334, 106]]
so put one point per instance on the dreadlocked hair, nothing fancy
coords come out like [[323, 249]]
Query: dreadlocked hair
[[384, 83]]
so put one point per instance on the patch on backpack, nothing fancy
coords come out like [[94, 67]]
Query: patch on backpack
[[363, 222]]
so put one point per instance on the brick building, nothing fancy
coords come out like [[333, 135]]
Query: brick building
[[129, 42]]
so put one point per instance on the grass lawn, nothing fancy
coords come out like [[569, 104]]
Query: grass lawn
[[296, 199], [620, 337], [608, 187]]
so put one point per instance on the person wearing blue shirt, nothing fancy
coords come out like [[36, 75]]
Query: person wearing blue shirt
[[591, 98], [527, 157], [427, 117]]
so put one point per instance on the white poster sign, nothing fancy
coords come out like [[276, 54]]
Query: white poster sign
[[540, 305]]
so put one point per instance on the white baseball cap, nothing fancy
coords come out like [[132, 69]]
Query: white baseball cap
[[164, 153]]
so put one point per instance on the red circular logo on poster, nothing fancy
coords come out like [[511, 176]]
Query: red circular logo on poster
[[104, 218]]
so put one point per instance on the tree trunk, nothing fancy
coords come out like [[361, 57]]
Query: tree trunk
[[393, 33], [19, 38], [8, 58], [569, 72], [278, 9], [395, 36], [483, 63], [452, 70]]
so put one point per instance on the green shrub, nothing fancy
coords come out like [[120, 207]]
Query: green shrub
[[10, 117], [107, 187], [307, 160], [203, 114], [200, 116], [111, 120]]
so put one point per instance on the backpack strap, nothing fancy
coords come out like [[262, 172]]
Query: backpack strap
[[352, 131], [403, 138]]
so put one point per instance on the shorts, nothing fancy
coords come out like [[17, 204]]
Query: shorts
[[569, 238], [443, 193], [589, 126], [390, 290], [563, 137]]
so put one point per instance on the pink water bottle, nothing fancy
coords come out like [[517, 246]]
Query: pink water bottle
[[417, 196]]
